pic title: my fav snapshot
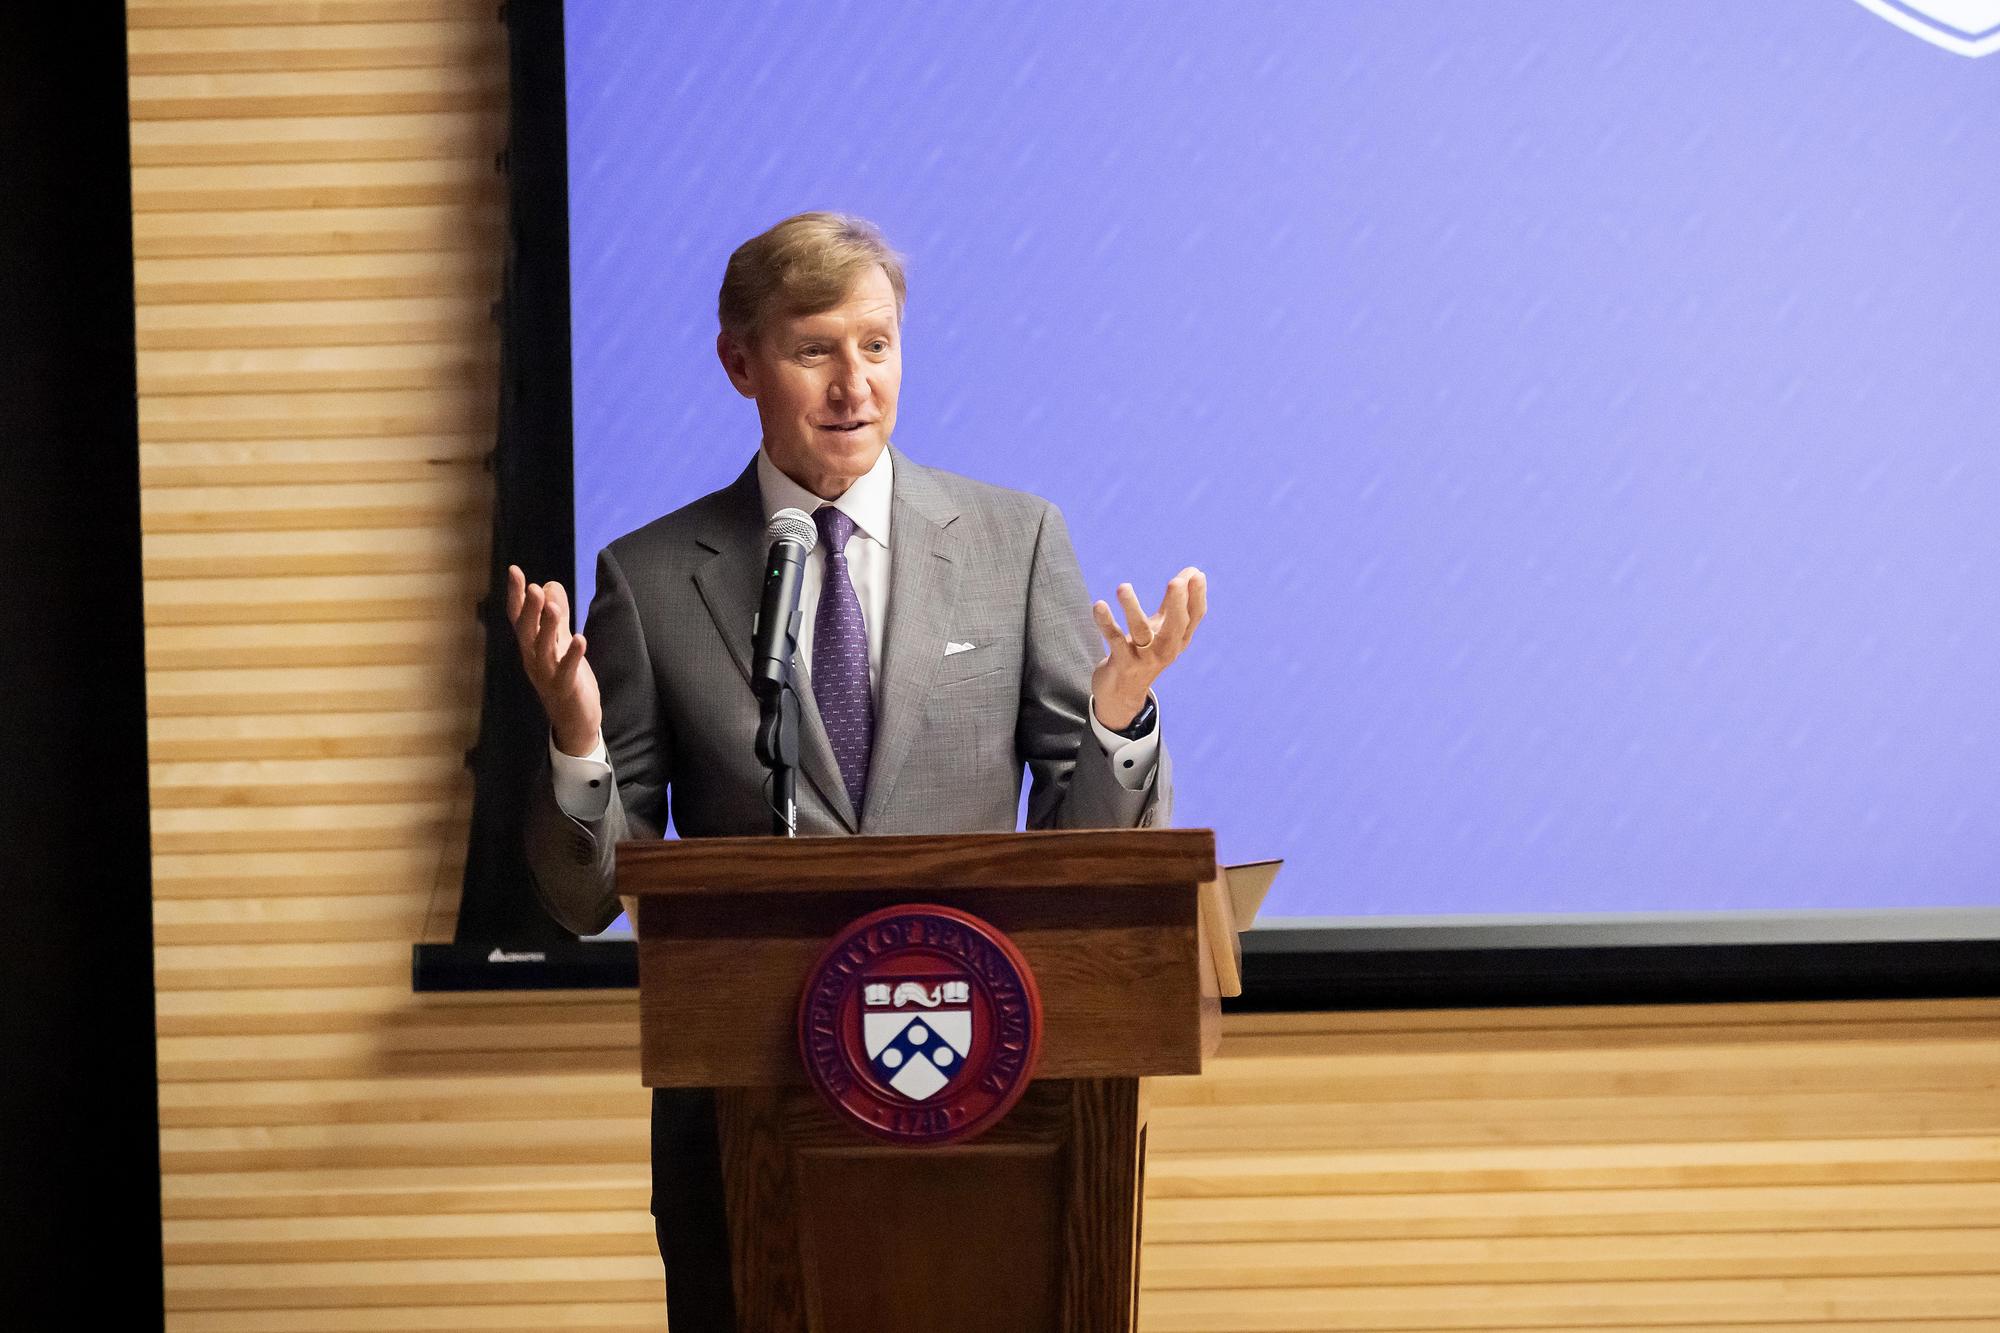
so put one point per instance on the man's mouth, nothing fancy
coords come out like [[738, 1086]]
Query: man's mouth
[[844, 426]]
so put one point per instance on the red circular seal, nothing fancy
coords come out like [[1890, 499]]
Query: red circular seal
[[920, 1024]]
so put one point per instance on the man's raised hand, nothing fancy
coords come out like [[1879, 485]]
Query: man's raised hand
[[1136, 655], [553, 659]]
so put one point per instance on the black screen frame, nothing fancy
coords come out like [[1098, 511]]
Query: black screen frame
[[505, 940]]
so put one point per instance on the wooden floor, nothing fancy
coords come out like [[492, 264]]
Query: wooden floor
[[318, 230]]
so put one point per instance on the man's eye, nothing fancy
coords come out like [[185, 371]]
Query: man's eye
[[812, 350], [878, 346]]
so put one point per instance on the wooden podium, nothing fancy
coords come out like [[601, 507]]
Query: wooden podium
[[1035, 1224]]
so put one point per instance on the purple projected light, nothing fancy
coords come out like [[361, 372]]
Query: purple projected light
[[1585, 410]]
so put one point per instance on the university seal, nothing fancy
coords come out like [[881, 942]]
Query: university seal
[[920, 1025]]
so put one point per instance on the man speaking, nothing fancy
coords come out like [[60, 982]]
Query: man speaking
[[945, 642]]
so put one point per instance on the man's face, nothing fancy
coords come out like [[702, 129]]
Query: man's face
[[825, 385]]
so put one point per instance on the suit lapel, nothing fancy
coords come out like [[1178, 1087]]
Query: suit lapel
[[923, 594], [731, 584]]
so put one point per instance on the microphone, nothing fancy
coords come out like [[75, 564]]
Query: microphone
[[774, 637]]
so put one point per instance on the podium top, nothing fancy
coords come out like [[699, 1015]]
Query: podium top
[[990, 860], [1112, 923]]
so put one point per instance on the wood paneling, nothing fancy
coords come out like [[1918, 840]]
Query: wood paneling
[[1710, 1167], [317, 222], [318, 230]]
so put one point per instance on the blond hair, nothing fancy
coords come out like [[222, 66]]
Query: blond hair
[[802, 266]]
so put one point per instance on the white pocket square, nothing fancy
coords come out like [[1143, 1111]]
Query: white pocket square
[[950, 647]]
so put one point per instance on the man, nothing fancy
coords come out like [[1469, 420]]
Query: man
[[944, 644]]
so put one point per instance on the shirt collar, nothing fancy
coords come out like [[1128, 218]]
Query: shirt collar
[[866, 501]]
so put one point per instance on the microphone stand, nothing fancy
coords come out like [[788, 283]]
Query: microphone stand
[[778, 751]]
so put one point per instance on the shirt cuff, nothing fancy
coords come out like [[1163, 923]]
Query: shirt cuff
[[1131, 761], [583, 783]]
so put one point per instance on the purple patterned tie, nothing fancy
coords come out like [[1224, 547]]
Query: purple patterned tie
[[840, 659]]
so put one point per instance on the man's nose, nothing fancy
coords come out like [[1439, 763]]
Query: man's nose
[[849, 385]]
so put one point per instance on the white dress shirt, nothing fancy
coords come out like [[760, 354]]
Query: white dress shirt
[[867, 503], [583, 783]]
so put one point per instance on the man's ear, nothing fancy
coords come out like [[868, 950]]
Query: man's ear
[[735, 358]]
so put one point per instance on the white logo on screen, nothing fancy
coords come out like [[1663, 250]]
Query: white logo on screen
[[1969, 27]]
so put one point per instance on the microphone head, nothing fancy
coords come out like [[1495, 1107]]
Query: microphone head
[[795, 526]]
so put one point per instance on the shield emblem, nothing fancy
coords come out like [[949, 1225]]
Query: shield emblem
[[920, 1025], [914, 1047], [1969, 27]]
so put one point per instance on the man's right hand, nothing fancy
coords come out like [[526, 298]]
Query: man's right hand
[[553, 659]]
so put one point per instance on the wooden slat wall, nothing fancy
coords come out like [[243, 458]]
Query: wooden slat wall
[[318, 229], [1831, 1166]]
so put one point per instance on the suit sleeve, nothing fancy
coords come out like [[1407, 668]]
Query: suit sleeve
[[572, 859], [1072, 782]]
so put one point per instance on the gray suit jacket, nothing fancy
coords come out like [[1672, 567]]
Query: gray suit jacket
[[669, 630]]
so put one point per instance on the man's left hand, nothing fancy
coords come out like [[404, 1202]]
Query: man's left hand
[[1136, 655]]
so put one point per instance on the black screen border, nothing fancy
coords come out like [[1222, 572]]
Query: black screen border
[[505, 941]]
